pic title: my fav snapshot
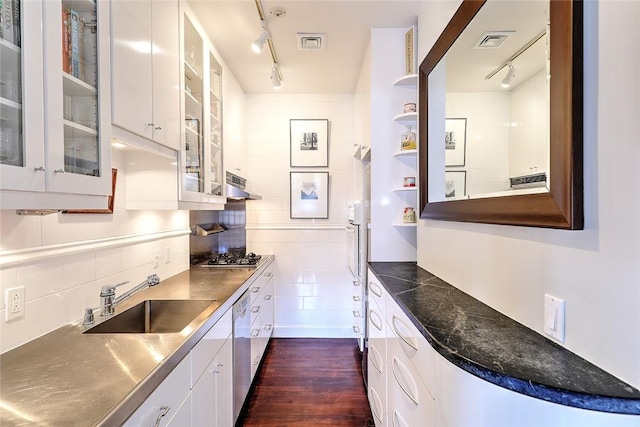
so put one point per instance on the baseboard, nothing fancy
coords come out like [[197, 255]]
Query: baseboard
[[312, 332]]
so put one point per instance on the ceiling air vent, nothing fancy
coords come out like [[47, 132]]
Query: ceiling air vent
[[493, 39], [311, 41]]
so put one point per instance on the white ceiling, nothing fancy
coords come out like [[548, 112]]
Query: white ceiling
[[234, 24]]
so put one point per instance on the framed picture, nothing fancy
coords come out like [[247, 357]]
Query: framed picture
[[410, 39], [309, 142], [455, 184], [455, 141], [310, 195], [110, 201]]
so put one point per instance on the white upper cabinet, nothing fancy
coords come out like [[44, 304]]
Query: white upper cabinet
[[201, 153], [145, 69], [55, 133]]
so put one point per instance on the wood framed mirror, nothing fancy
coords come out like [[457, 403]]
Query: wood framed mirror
[[560, 203]]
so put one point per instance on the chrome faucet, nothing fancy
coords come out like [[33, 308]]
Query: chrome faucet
[[108, 298]]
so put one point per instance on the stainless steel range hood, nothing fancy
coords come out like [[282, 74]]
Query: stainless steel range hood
[[235, 189]]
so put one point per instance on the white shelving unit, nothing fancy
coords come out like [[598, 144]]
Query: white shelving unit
[[391, 239]]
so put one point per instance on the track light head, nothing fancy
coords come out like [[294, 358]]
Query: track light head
[[257, 45], [511, 74], [276, 80]]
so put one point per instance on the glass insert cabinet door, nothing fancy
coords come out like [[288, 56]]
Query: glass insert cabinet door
[[50, 133], [11, 83], [79, 78], [193, 153], [215, 127]]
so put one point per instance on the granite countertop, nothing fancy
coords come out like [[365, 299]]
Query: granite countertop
[[496, 348], [67, 378]]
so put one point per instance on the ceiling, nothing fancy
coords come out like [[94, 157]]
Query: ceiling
[[233, 25]]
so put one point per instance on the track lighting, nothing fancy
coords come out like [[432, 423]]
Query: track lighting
[[257, 45], [276, 79], [511, 73]]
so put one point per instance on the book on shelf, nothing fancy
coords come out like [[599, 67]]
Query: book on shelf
[[66, 48], [10, 21], [73, 43]]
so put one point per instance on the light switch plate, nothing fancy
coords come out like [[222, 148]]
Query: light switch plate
[[554, 317]]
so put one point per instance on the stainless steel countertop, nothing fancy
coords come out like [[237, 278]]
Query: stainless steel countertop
[[67, 378]]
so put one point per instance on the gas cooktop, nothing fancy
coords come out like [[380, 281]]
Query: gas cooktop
[[230, 260]]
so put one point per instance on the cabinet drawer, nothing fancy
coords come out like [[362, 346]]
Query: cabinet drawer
[[409, 403], [207, 348], [261, 282], [412, 343], [166, 398]]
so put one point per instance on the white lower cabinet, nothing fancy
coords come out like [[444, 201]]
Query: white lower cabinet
[[377, 355], [198, 391], [212, 376], [412, 385], [262, 298], [211, 398], [167, 401], [409, 403], [397, 389]]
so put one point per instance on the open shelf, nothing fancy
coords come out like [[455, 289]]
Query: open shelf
[[409, 81]]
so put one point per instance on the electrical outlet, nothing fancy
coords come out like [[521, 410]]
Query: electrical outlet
[[14, 298], [167, 255]]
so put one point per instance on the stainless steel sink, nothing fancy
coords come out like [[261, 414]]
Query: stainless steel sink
[[153, 317]]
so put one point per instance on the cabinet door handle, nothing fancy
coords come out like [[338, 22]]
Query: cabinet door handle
[[158, 128], [58, 171], [256, 289], [376, 404], [374, 356], [356, 298], [356, 283], [356, 329], [255, 309], [356, 313], [407, 340], [268, 327], [398, 421], [375, 289], [39, 169], [163, 412], [402, 386], [372, 318], [268, 274], [255, 333], [267, 297]]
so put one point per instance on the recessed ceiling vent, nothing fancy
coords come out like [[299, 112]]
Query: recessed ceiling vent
[[493, 39], [311, 41]]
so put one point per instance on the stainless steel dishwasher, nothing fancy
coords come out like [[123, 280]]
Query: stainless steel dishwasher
[[241, 352]]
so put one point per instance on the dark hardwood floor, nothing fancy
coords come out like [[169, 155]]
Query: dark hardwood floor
[[309, 382]]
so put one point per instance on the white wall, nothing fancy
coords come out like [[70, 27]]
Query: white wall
[[67, 258], [313, 282], [596, 271], [487, 139]]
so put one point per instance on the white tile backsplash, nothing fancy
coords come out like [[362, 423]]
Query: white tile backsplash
[[58, 288]]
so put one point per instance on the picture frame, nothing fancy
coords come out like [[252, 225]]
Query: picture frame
[[455, 141], [309, 142], [455, 184], [309, 195], [110, 201], [410, 39]]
